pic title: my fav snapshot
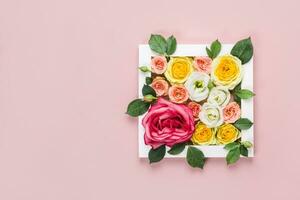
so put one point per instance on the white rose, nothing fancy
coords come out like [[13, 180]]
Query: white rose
[[219, 95], [196, 85], [211, 115]]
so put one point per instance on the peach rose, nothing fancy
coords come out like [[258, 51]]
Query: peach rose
[[160, 85], [178, 94], [203, 64], [158, 64], [231, 112], [195, 107]]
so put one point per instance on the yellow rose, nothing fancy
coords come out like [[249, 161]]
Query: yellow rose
[[227, 71], [179, 69], [227, 133], [203, 135]]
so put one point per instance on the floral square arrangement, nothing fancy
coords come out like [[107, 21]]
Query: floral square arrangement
[[195, 101]]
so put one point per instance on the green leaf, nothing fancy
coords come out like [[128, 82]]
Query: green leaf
[[209, 53], [168, 58], [215, 48], [195, 157], [231, 145], [243, 124], [137, 107], [158, 44], [233, 155], [244, 93], [237, 100], [235, 97], [238, 87], [210, 85], [177, 149], [244, 151], [156, 155], [247, 144], [149, 98], [149, 80], [171, 45], [189, 142], [145, 69], [243, 49], [148, 90]]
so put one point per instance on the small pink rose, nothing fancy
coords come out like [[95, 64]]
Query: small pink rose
[[167, 123], [158, 64], [195, 107], [160, 85], [178, 94], [203, 64], [231, 112]]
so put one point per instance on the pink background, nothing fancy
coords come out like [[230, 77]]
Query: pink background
[[68, 70]]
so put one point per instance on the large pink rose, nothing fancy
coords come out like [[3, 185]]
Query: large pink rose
[[168, 123]]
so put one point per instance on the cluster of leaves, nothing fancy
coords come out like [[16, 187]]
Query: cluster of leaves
[[161, 45], [239, 94], [235, 150], [194, 156], [243, 49], [138, 107], [214, 49]]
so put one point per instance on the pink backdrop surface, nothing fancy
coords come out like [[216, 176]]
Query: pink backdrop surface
[[68, 71]]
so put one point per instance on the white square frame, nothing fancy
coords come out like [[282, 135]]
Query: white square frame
[[209, 151]]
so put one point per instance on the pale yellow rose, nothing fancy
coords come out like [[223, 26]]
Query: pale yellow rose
[[179, 69], [227, 71], [227, 133], [203, 135]]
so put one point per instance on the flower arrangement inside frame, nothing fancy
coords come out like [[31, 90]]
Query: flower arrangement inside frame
[[192, 101]]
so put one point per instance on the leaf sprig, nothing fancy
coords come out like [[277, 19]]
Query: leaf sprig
[[214, 49], [138, 107], [243, 123], [244, 93], [243, 49], [156, 155], [194, 156], [235, 150], [177, 149], [161, 45]]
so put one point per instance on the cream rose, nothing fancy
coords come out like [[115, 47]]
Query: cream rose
[[219, 95], [211, 115], [196, 85]]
